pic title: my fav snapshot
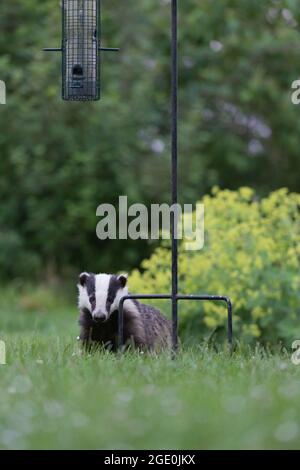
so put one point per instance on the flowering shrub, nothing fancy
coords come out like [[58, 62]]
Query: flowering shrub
[[251, 254]]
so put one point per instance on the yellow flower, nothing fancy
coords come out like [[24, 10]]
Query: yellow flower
[[251, 254]]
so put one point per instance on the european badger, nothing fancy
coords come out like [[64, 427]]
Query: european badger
[[99, 295]]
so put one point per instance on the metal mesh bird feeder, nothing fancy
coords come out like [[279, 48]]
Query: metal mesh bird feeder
[[80, 64], [81, 47]]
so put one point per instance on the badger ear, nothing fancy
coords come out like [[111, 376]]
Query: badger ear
[[82, 278], [123, 279]]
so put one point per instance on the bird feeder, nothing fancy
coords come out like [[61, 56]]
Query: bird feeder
[[81, 50]]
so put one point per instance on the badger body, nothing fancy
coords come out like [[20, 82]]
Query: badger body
[[145, 328]]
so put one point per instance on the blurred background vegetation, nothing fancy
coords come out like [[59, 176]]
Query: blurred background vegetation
[[59, 161]]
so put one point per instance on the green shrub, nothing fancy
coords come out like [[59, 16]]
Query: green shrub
[[251, 253]]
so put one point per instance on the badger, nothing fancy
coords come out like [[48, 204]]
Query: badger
[[145, 328]]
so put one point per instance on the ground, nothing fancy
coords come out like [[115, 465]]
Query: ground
[[52, 397]]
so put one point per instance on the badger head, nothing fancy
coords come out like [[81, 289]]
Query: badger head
[[100, 294]]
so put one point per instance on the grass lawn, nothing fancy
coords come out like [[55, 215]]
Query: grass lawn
[[54, 398]]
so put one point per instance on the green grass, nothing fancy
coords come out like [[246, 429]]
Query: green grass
[[52, 397]]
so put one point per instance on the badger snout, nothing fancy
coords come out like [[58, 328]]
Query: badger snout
[[99, 317]]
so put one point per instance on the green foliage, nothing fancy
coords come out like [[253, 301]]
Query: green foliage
[[251, 254], [60, 161]]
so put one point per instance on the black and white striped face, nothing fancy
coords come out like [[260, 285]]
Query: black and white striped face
[[100, 294]]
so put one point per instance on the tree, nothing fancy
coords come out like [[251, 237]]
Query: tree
[[59, 160]]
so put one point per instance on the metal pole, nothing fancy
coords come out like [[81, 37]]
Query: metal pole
[[174, 139]]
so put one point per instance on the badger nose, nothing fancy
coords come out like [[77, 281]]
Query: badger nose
[[99, 317]]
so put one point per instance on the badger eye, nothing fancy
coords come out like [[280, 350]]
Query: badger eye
[[92, 299]]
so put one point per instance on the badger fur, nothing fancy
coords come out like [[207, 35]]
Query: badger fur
[[99, 295]]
